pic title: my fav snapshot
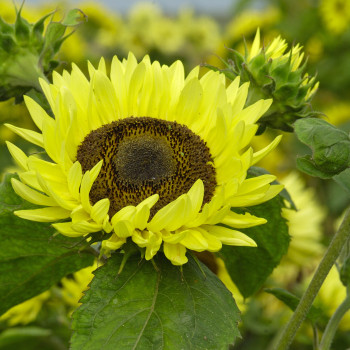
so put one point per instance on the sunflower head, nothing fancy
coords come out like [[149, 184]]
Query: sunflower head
[[147, 155], [274, 72]]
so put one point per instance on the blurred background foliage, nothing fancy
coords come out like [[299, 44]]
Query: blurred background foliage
[[322, 27]]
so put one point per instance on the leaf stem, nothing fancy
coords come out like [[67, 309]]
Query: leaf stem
[[320, 275], [333, 323]]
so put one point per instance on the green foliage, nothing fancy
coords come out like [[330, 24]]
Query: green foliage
[[144, 308], [345, 272], [343, 179], [24, 338], [292, 302], [26, 54], [31, 259], [330, 149], [249, 267]]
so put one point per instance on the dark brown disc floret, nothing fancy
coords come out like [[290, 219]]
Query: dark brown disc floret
[[143, 156]]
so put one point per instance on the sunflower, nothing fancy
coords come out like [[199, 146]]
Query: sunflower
[[145, 153], [335, 15], [27, 311]]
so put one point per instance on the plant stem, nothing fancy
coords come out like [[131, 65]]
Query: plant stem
[[333, 323], [320, 275]]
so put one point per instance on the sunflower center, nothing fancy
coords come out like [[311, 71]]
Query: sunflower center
[[143, 156]]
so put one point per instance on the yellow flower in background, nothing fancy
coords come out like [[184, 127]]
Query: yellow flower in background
[[201, 34], [226, 279], [73, 288], [145, 153], [331, 295], [246, 23], [335, 15], [105, 26], [27, 311], [147, 28], [338, 112], [305, 228]]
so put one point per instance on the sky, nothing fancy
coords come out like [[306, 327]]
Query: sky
[[169, 6]]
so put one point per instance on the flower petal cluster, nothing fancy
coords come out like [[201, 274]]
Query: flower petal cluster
[[214, 112]]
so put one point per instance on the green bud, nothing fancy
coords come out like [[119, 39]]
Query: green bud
[[277, 74]]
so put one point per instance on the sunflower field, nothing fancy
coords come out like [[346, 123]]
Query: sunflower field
[[177, 180]]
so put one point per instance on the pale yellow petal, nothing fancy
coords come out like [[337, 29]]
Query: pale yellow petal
[[18, 155], [194, 240], [44, 214], [257, 156], [255, 49], [31, 195], [242, 220], [37, 113], [230, 237], [86, 227], [100, 210], [176, 253], [74, 178], [29, 135], [66, 229]]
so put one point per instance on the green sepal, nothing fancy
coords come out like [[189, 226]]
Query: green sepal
[[22, 28]]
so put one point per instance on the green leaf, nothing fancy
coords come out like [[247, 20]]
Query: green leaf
[[345, 272], [74, 17], [343, 179], [292, 302], [307, 166], [330, 147], [142, 308], [31, 259], [12, 337], [250, 266]]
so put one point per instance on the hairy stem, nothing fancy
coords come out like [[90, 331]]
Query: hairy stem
[[321, 273]]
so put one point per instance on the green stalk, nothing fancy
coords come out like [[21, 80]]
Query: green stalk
[[333, 324], [320, 275]]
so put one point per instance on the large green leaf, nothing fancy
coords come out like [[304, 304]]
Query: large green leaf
[[343, 179], [31, 259], [250, 266], [143, 308]]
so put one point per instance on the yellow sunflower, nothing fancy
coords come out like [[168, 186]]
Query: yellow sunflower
[[335, 15], [27, 311], [145, 153]]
